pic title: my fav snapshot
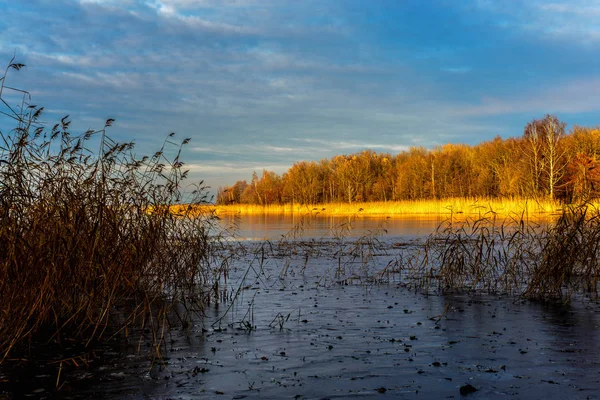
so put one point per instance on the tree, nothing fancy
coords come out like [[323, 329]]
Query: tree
[[582, 175], [545, 154], [304, 182], [413, 171], [532, 152], [508, 172], [231, 194], [269, 188]]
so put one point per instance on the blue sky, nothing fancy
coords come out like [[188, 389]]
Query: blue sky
[[265, 83]]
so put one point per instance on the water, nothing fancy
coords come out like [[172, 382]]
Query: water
[[273, 227], [295, 332]]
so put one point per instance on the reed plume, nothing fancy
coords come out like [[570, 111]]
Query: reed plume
[[88, 236]]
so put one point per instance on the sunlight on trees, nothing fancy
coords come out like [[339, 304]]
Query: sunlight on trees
[[546, 162]]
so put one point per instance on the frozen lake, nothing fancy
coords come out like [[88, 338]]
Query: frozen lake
[[306, 323]]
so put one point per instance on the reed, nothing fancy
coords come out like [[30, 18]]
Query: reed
[[484, 254], [88, 239], [454, 206], [569, 256], [551, 261]]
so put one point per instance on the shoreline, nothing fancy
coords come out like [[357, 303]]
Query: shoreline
[[468, 207]]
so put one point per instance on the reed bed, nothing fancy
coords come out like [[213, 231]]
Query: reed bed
[[88, 239], [484, 254], [455, 206], [550, 259], [569, 257]]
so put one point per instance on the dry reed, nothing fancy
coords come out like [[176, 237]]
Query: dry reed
[[550, 259], [554, 260], [478, 254], [569, 256], [79, 249]]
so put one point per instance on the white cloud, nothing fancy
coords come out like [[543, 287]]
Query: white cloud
[[244, 168], [106, 2], [575, 20], [570, 96], [352, 146], [573, 8], [456, 70], [80, 77]]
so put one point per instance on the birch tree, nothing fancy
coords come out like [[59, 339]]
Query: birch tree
[[544, 154]]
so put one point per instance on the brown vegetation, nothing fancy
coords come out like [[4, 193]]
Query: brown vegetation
[[551, 260], [79, 248], [569, 256]]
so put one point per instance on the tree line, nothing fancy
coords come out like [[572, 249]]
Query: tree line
[[545, 162]]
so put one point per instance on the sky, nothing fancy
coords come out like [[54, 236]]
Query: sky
[[262, 84]]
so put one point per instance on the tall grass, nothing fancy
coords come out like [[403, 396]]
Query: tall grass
[[484, 254], [554, 260], [88, 238], [569, 258], [453, 206]]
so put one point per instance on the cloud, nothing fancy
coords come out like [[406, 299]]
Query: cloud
[[234, 168], [266, 83], [570, 97], [350, 146], [572, 9], [574, 20], [456, 70]]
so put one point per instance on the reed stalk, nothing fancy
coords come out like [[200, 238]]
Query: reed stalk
[[88, 237], [553, 261]]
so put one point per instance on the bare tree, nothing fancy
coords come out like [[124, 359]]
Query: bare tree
[[554, 153], [544, 154]]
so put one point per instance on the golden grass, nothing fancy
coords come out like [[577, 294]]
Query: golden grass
[[181, 210], [445, 207]]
